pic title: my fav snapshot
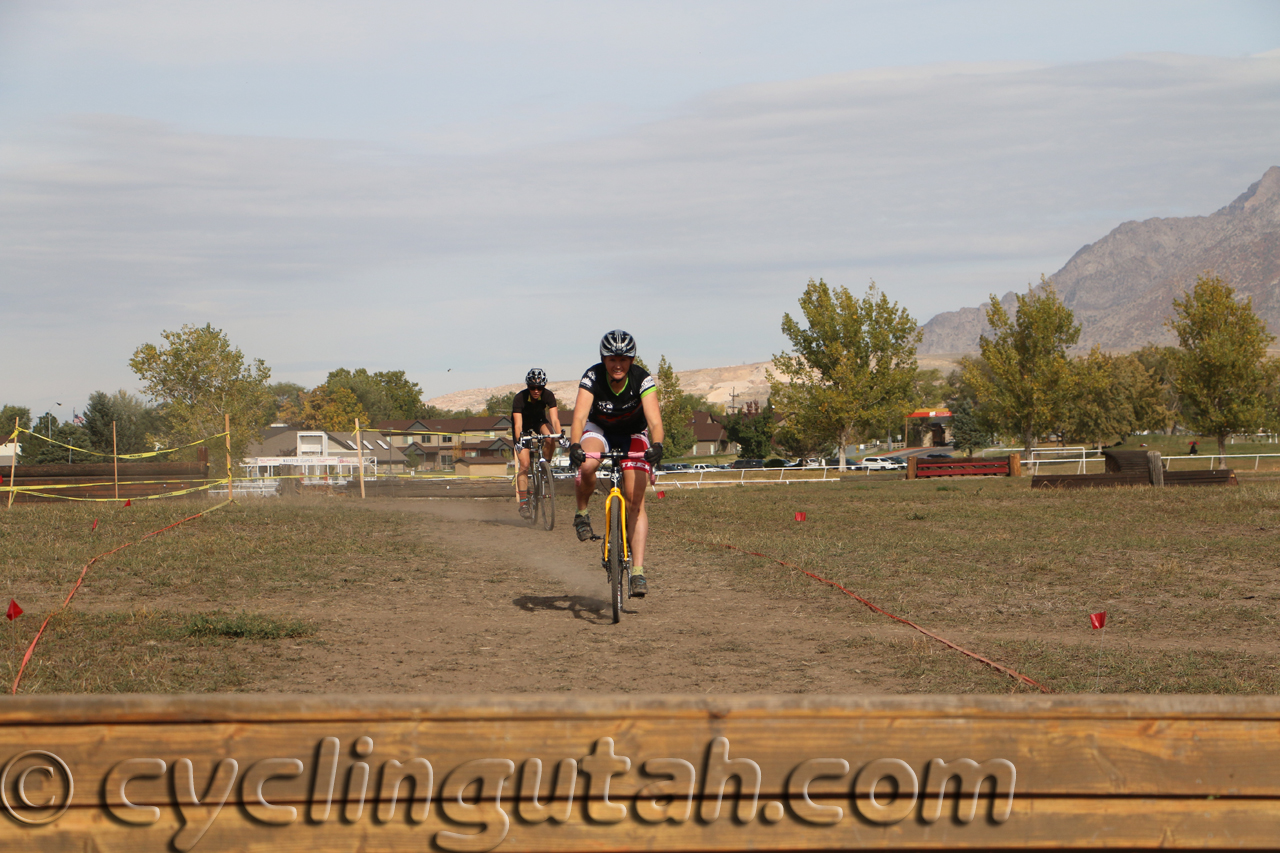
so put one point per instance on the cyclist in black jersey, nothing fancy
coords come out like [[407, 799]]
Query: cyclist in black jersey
[[533, 410], [617, 407]]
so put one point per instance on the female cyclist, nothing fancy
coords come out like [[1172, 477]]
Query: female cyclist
[[617, 407]]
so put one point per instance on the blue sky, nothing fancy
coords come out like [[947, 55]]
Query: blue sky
[[463, 193]]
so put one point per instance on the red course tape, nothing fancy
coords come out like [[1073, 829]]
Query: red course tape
[[1000, 667]]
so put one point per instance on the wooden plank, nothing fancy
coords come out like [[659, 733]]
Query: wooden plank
[[681, 773]]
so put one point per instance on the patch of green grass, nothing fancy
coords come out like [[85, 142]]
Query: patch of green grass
[[143, 651]]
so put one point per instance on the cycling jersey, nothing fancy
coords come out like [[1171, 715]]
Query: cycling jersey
[[618, 412], [534, 412]]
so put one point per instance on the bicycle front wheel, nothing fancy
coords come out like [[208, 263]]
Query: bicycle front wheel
[[535, 489], [617, 582], [547, 495]]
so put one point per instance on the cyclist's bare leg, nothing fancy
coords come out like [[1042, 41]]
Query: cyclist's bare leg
[[587, 471], [634, 484], [522, 475]]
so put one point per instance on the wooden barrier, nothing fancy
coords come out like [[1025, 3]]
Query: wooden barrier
[[273, 773], [961, 467], [102, 480]]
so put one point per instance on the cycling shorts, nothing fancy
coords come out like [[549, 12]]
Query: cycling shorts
[[634, 442]]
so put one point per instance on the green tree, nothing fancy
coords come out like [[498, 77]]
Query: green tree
[[852, 368], [1161, 363], [9, 414], [677, 416], [752, 430], [405, 396], [1098, 409], [331, 408], [134, 422], [37, 451], [1025, 381], [968, 433], [930, 388], [499, 404], [198, 378], [1223, 370]]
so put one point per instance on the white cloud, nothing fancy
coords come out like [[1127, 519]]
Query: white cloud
[[944, 183]]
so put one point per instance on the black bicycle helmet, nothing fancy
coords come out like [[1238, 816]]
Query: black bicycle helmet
[[617, 342], [535, 378]]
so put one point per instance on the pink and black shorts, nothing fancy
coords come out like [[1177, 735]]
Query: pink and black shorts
[[634, 442]]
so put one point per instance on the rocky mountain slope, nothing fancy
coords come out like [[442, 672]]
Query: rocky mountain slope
[[717, 384], [1122, 287]]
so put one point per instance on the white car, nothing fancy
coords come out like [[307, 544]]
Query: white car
[[881, 463], [703, 466]]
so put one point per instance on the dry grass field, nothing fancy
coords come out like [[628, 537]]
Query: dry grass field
[[459, 596]]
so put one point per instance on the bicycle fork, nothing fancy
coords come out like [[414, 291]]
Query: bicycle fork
[[615, 493]]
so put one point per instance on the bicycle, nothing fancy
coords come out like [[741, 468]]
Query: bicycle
[[615, 551], [542, 486]]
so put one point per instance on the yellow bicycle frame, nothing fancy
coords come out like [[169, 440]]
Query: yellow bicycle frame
[[616, 493]]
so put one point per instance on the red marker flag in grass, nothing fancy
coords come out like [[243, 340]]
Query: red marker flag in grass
[[662, 494], [128, 503], [95, 526], [14, 610], [1098, 620], [800, 516]]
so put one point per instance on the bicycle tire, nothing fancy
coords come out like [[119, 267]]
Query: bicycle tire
[[616, 580], [532, 485], [547, 495]]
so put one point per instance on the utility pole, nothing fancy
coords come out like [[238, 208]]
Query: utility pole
[[733, 401]]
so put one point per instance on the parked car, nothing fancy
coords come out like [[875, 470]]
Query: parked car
[[747, 463], [937, 456], [881, 463], [673, 467], [775, 463], [703, 466]]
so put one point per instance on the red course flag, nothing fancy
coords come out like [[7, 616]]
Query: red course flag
[[128, 503], [1098, 620], [95, 525], [800, 516], [14, 610], [662, 494]]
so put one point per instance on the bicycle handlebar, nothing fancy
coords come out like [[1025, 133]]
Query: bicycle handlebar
[[528, 439], [615, 454]]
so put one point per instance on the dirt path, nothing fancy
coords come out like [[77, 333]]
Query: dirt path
[[520, 610]]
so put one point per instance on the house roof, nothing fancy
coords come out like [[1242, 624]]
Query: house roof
[[456, 425]]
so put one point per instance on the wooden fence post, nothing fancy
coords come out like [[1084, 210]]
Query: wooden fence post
[[1015, 465], [911, 467], [360, 456], [13, 465], [1155, 468], [115, 461], [227, 424]]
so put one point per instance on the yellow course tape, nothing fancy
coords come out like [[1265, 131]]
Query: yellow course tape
[[145, 455], [38, 493]]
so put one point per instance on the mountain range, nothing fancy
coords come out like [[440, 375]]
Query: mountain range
[[1122, 287]]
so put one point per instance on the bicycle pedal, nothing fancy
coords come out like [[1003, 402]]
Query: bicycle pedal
[[595, 538]]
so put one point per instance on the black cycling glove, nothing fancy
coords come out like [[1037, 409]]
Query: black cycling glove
[[654, 454], [576, 454]]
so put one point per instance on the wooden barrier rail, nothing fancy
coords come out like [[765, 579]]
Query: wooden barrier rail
[[920, 469], [273, 773], [104, 480]]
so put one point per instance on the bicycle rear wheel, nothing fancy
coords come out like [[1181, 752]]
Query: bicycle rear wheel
[[616, 580], [547, 495]]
